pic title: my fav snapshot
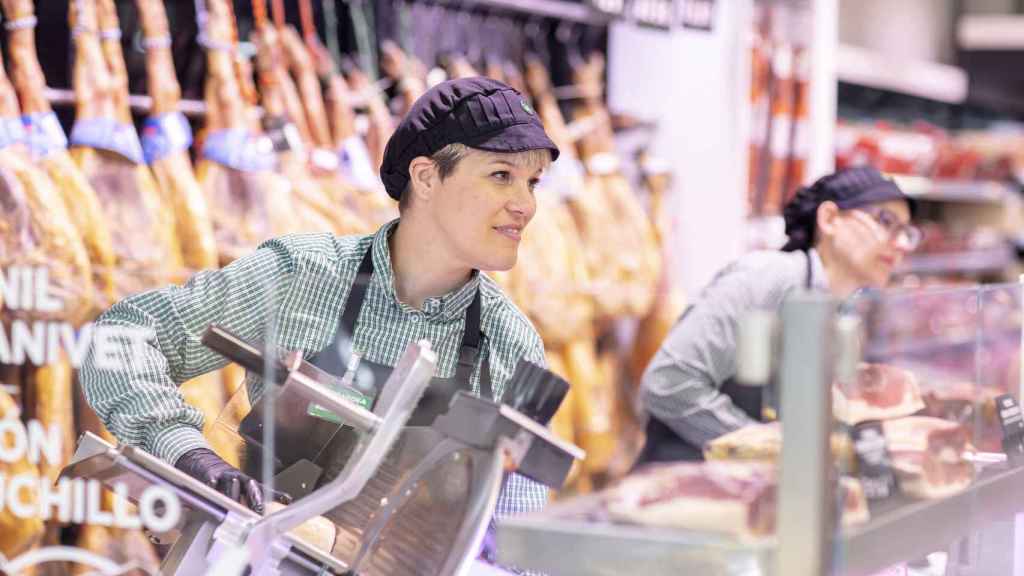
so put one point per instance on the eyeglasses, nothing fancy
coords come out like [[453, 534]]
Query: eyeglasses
[[907, 236]]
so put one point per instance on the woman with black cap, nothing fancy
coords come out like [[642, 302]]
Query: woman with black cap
[[462, 165], [849, 230]]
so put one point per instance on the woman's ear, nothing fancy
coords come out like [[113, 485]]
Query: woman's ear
[[422, 178], [827, 217]]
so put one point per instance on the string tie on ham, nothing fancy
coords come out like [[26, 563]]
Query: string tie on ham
[[217, 45], [21, 23], [110, 34], [156, 43], [79, 31]]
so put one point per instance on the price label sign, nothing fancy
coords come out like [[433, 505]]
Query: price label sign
[[1012, 422], [697, 14], [662, 14], [653, 13], [873, 461]]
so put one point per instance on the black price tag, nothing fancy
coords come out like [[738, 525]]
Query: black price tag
[[873, 461], [1012, 422]]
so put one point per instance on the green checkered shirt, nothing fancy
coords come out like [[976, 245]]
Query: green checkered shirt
[[291, 292]]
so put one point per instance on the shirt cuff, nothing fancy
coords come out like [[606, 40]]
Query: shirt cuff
[[169, 443]]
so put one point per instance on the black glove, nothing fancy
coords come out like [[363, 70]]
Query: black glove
[[204, 465]]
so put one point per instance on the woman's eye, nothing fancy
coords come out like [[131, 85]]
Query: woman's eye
[[501, 176], [533, 184]]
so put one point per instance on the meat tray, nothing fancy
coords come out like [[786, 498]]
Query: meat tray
[[576, 537]]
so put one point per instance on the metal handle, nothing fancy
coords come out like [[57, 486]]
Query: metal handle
[[245, 354]]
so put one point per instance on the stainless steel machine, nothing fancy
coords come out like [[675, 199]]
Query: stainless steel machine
[[404, 500]]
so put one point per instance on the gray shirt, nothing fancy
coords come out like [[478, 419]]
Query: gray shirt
[[681, 385]]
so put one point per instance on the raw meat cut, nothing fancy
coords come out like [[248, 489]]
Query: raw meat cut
[[732, 498], [927, 455], [879, 392]]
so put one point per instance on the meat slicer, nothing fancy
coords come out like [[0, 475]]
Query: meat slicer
[[404, 500]]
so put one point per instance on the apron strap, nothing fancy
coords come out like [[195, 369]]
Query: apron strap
[[469, 350], [357, 295], [328, 359]]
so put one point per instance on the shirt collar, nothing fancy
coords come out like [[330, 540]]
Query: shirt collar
[[444, 307], [819, 280]]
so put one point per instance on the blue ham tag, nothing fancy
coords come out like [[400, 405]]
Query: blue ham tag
[[43, 133], [12, 131], [165, 134], [238, 149], [110, 135], [356, 165]]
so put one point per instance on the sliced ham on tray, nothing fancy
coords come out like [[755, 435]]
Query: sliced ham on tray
[[737, 499], [731, 498], [928, 456], [879, 392]]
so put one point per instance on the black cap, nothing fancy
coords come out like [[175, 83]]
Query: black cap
[[479, 112], [848, 188]]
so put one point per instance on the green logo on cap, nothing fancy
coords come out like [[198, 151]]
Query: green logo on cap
[[526, 107]]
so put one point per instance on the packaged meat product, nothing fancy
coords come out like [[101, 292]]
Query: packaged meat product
[[314, 211], [48, 146], [323, 161], [878, 392], [548, 281], [732, 498], [166, 137], [300, 63], [668, 307], [16, 534], [780, 129], [563, 423], [595, 405], [248, 202], [927, 456], [106, 148], [381, 125], [364, 191], [37, 233], [49, 397], [800, 141], [760, 54], [620, 243]]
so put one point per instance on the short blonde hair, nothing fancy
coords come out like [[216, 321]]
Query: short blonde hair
[[447, 159]]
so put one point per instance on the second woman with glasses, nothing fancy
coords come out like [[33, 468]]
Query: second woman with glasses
[[847, 231]]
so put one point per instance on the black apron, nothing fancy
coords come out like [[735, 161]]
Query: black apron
[[440, 392], [664, 445], [320, 442]]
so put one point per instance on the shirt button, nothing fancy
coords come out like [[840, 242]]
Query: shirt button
[[415, 318]]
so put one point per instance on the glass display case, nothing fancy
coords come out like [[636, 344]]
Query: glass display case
[[902, 448]]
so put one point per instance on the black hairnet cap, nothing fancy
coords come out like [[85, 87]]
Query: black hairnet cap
[[479, 112], [848, 188]]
